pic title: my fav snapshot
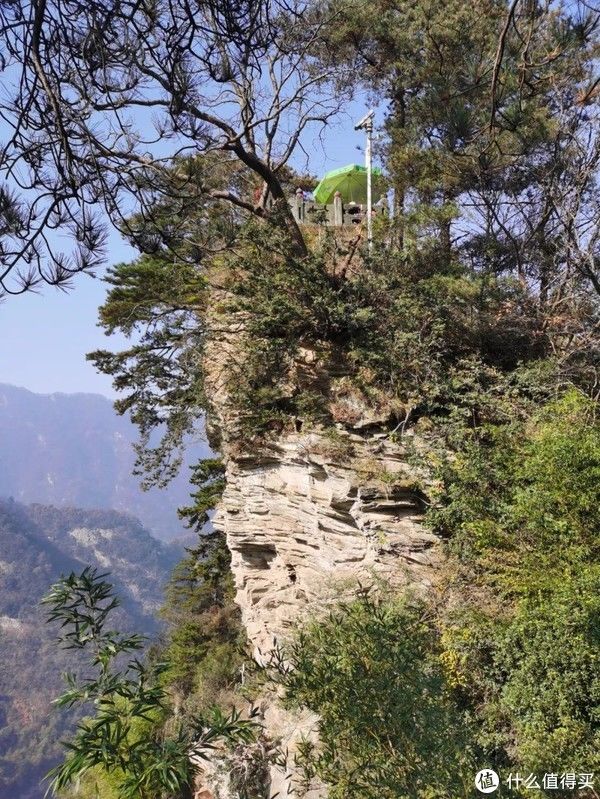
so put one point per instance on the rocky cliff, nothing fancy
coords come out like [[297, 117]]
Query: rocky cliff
[[306, 525], [316, 517], [308, 519]]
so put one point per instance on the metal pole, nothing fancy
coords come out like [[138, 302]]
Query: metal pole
[[369, 165], [366, 124]]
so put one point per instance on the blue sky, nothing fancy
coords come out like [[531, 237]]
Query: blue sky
[[45, 336]]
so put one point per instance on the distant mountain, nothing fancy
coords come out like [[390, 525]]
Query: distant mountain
[[74, 449], [37, 544]]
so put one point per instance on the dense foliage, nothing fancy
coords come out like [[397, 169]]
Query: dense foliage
[[422, 338], [523, 623], [388, 728]]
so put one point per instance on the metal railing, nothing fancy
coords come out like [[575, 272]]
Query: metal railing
[[336, 214]]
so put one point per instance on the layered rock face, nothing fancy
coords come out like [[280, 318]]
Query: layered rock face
[[308, 519], [310, 522], [306, 525]]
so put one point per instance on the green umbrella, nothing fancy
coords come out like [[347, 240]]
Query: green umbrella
[[351, 182]]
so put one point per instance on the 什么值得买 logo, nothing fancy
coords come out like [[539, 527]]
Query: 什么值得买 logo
[[487, 781]]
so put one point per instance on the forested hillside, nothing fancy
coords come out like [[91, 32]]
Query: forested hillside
[[74, 450], [37, 544], [400, 598]]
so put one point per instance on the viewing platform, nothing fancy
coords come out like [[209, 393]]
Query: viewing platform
[[336, 214]]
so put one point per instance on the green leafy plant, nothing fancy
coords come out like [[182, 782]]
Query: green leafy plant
[[522, 634], [208, 476], [388, 727], [123, 738]]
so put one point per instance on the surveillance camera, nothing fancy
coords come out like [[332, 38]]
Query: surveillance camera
[[366, 121]]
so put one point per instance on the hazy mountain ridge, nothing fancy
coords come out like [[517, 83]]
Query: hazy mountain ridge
[[75, 450], [37, 544]]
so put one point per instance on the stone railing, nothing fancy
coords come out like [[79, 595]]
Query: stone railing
[[337, 214]]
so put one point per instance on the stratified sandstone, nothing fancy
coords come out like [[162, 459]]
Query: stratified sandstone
[[308, 519], [304, 528]]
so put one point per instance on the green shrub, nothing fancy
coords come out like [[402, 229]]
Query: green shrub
[[523, 632], [438, 339], [389, 728]]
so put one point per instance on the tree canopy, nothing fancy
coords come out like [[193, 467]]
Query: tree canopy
[[101, 97]]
